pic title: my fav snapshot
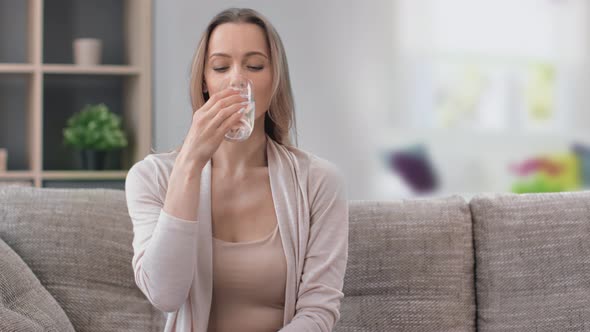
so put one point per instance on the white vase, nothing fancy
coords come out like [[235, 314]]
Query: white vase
[[87, 51], [3, 160]]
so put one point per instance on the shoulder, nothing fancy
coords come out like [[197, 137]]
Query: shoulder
[[327, 190], [316, 165], [326, 180], [324, 177], [151, 172], [153, 162]]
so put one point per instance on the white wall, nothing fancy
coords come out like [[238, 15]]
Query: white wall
[[355, 95], [339, 55]]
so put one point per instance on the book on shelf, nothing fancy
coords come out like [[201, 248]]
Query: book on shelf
[[16, 183], [3, 159]]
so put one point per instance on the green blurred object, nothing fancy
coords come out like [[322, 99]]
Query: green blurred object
[[94, 128], [539, 183], [540, 90]]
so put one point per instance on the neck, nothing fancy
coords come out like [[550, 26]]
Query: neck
[[236, 157]]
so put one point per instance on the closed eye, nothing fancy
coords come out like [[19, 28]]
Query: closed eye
[[222, 69]]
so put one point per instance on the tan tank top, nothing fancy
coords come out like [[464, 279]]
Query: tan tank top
[[249, 280]]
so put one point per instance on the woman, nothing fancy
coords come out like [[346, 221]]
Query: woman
[[240, 236]]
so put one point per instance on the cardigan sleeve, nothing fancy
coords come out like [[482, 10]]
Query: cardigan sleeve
[[318, 301], [164, 246]]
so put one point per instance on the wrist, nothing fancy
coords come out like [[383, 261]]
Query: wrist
[[190, 167]]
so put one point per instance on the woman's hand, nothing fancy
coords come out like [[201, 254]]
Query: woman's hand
[[210, 123]]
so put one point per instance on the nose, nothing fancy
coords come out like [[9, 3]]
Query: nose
[[238, 79], [236, 75]]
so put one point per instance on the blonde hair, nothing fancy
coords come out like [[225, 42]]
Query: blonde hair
[[280, 118]]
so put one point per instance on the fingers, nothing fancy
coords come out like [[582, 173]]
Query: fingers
[[227, 112], [224, 103], [220, 111], [227, 101], [219, 96], [230, 121]]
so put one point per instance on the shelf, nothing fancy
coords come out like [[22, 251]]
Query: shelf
[[14, 31], [66, 20], [17, 175], [18, 183], [65, 95], [90, 70], [16, 68], [41, 87], [14, 119], [85, 184], [65, 175], [84, 175]]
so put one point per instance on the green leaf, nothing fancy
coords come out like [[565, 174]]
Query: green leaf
[[94, 127]]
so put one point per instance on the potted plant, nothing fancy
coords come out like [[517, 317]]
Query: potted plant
[[94, 131]]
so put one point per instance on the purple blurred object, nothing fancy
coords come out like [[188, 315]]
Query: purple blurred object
[[415, 168]]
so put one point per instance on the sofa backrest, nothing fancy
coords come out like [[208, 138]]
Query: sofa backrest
[[410, 267], [532, 261], [78, 244]]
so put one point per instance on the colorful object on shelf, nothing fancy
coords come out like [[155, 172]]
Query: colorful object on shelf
[[539, 92], [537, 164], [552, 173], [583, 153], [460, 95], [414, 166]]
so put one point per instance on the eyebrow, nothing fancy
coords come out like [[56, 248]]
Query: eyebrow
[[247, 54]]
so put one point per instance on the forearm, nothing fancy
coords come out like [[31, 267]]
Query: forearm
[[184, 186], [302, 324], [164, 266]]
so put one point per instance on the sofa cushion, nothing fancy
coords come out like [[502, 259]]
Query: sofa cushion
[[410, 267], [24, 304], [533, 261], [78, 243]]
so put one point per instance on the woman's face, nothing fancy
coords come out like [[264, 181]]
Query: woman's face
[[240, 48]]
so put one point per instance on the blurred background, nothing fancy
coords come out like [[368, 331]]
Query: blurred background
[[409, 98], [417, 98]]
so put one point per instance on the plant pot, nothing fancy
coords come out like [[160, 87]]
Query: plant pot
[[93, 159]]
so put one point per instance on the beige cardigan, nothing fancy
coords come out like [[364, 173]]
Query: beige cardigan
[[173, 257]]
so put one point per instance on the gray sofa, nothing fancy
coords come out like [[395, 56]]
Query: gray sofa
[[497, 263]]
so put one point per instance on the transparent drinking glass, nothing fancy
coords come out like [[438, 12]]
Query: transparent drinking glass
[[243, 129]]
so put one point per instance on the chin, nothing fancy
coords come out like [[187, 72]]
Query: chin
[[258, 116]]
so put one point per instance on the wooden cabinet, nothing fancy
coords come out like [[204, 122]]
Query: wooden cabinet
[[40, 86]]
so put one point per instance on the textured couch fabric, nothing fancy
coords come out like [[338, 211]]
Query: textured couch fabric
[[78, 243], [25, 305], [410, 267], [533, 262], [500, 263]]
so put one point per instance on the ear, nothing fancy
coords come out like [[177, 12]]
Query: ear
[[205, 90]]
